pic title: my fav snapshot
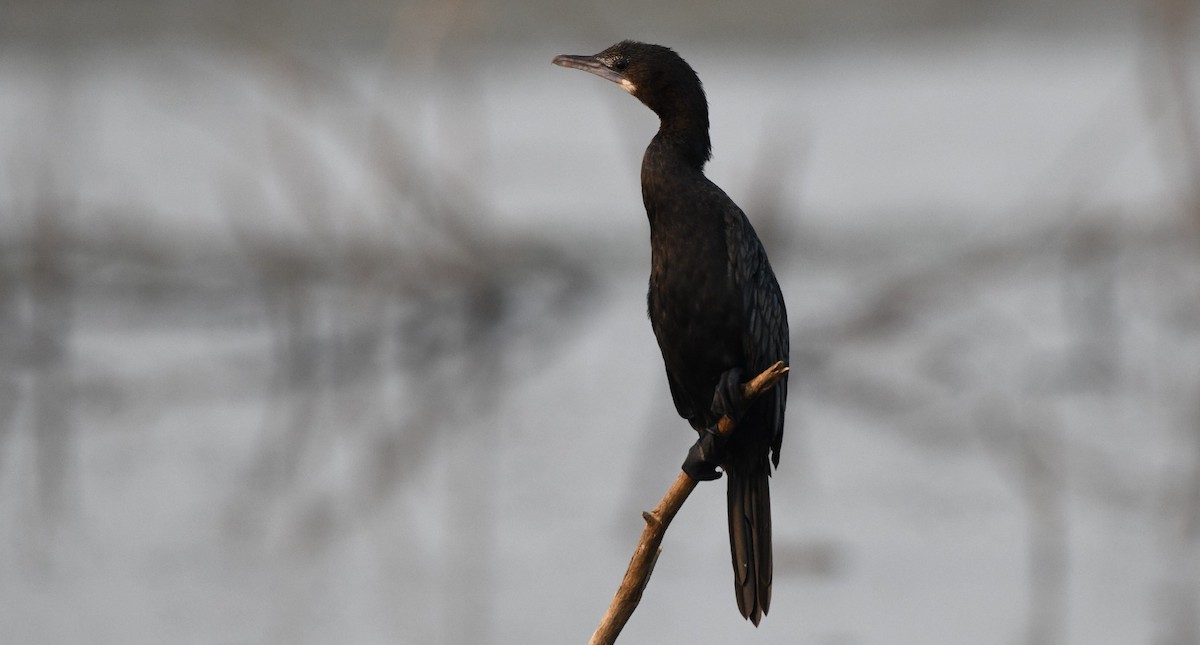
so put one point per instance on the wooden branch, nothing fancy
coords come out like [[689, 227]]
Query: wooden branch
[[637, 576]]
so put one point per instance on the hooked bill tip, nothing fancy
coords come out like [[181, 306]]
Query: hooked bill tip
[[571, 60], [593, 65]]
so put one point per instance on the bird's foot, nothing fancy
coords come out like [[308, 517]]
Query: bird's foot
[[705, 456], [727, 399]]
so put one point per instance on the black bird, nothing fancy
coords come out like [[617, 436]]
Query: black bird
[[714, 303]]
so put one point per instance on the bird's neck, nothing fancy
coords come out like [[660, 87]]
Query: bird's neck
[[684, 141], [672, 176]]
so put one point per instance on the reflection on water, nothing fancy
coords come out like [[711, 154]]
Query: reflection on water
[[287, 355]]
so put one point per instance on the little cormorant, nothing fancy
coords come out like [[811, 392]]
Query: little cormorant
[[714, 303]]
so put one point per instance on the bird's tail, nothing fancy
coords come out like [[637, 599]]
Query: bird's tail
[[749, 499]]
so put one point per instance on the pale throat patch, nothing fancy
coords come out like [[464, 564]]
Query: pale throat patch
[[627, 86]]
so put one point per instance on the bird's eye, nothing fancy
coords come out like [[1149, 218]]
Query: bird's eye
[[620, 64]]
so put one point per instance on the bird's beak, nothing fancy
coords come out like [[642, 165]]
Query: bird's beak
[[593, 65]]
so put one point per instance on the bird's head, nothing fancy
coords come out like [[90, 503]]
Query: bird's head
[[656, 75]]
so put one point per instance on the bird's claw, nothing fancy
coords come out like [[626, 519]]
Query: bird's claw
[[705, 456], [727, 399]]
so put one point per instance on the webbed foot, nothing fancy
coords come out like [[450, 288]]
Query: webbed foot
[[727, 398], [705, 456]]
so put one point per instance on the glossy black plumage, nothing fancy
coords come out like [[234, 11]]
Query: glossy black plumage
[[714, 303]]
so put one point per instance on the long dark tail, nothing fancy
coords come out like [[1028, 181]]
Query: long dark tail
[[749, 497]]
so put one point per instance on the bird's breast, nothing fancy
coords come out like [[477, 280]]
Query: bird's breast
[[693, 307]]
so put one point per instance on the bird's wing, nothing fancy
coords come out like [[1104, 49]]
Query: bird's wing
[[765, 338]]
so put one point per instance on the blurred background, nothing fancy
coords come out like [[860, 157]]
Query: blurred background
[[325, 322]]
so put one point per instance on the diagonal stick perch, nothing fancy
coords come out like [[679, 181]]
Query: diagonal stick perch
[[637, 576]]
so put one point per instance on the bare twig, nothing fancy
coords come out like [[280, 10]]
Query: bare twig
[[637, 576]]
